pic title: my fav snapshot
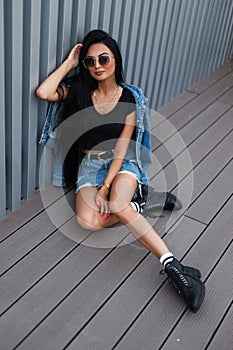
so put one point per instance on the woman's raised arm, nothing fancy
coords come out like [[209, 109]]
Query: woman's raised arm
[[49, 89]]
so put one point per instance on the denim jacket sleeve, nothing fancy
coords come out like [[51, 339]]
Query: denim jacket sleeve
[[48, 138]]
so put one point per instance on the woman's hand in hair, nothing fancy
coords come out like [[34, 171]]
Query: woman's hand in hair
[[73, 57], [50, 89]]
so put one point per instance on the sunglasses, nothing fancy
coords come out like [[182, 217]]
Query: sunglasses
[[91, 61]]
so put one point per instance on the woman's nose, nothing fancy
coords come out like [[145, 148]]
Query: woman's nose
[[97, 64]]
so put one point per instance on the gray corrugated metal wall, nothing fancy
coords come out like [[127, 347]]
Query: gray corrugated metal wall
[[167, 45]]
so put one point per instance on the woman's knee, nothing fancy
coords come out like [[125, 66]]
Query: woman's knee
[[120, 210], [88, 222]]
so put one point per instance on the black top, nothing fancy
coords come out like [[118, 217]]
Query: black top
[[102, 130]]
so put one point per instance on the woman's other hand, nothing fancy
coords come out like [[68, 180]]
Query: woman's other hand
[[101, 200]]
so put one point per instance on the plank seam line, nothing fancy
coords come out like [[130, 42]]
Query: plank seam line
[[207, 154], [193, 99], [194, 219], [188, 144], [183, 213], [34, 215], [207, 226], [212, 84], [218, 260], [35, 247], [138, 315], [178, 108], [219, 325], [193, 118], [206, 187], [172, 329]]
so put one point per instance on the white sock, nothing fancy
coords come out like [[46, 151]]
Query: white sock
[[166, 258], [136, 207]]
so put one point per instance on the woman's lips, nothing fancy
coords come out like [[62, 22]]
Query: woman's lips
[[99, 73]]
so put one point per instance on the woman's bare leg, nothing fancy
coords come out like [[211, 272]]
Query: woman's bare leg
[[122, 190], [136, 223], [123, 187], [87, 212]]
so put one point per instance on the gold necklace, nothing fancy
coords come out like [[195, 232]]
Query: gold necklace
[[101, 105]]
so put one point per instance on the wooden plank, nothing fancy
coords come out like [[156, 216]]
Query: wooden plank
[[156, 322], [227, 97], [212, 78], [168, 149], [176, 171], [202, 175], [33, 233], [214, 196], [201, 102], [164, 129], [28, 271], [81, 305], [29, 209], [176, 104], [20, 216], [195, 153], [107, 327], [223, 338], [219, 284]]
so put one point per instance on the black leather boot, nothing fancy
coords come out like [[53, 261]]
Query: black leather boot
[[187, 282]]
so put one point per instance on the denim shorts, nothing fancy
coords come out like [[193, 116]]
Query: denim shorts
[[93, 172]]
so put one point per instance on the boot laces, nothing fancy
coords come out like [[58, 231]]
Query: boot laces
[[179, 282]]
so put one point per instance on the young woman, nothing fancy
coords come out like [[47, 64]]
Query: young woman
[[114, 149]]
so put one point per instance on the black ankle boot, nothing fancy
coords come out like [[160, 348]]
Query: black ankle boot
[[187, 281]]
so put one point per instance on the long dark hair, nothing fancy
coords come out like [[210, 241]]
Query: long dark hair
[[82, 85], [93, 37]]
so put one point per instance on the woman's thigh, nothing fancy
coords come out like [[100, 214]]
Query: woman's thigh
[[122, 191], [85, 202], [87, 212]]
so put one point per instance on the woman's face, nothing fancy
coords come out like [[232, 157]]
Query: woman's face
[[101, 72]]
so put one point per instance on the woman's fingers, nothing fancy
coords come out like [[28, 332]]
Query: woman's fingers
[[77, 48], [74, 55], [106, 210], [103, 207]]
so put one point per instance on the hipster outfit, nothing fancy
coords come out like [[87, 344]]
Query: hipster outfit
[[93, 171]]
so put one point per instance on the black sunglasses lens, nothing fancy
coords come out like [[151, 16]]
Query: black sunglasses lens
[[88, 62], [103, 60]]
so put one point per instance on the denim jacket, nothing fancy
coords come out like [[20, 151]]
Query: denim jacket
[[143, 142]]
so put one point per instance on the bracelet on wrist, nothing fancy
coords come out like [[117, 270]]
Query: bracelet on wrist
[[107, 185]]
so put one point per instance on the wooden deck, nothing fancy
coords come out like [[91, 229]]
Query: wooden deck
[[64, 288]]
